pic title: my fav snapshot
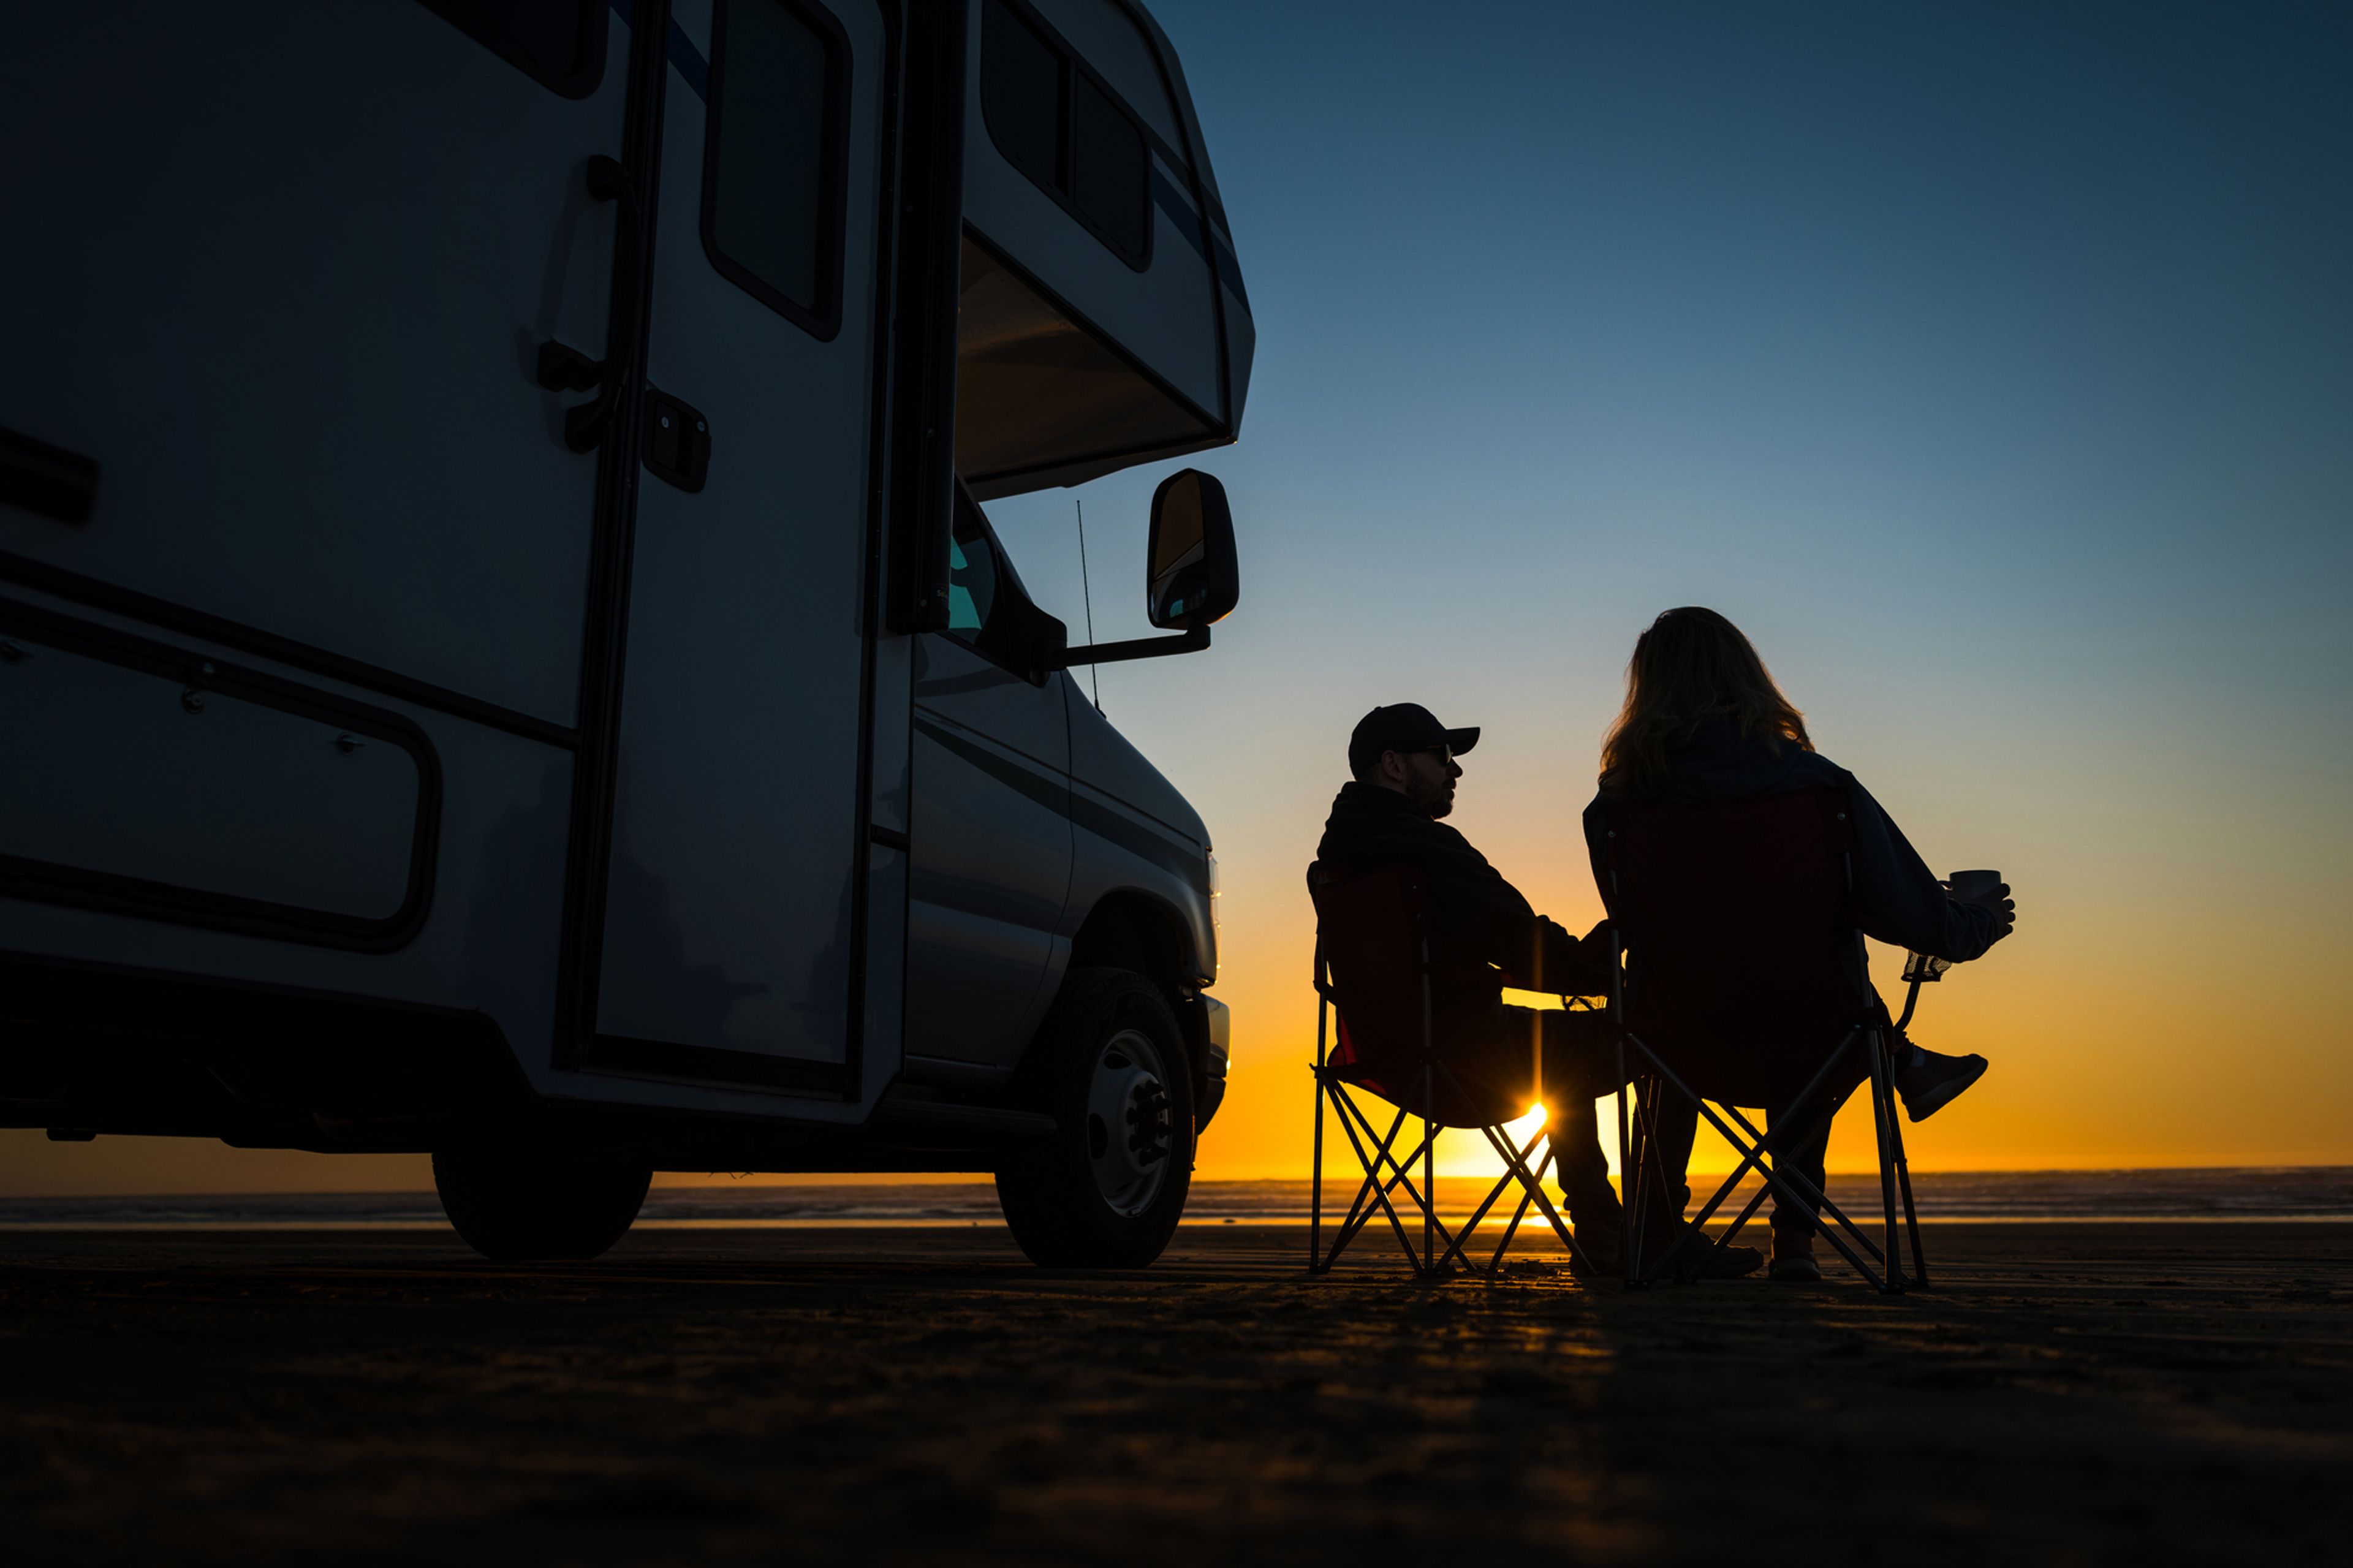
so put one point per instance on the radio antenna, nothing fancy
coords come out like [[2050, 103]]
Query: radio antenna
[[1087, 597]]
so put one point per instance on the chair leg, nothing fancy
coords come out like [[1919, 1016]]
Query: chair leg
[[1626, 1215], [1882, 1094], [1637, 1177], [1911, 1215], [1315, 1189], [1894, 1156], [1650, 1181], [1429, 1170]]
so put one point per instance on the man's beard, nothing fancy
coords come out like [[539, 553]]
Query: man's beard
[[1438, 802]]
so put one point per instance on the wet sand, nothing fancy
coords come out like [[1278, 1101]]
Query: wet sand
[[2068, 1394]]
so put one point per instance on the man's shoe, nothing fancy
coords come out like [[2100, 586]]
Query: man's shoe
[[1793, 1259], [1686, 1253], [1604, 1244], [1932, 1081]]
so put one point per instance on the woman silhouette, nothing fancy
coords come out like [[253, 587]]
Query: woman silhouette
[[1703, 722]]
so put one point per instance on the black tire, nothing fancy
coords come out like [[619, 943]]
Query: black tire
[[527, 1201], [1054, 1192]]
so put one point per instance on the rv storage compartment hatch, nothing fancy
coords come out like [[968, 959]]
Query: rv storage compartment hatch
[[173, 788]]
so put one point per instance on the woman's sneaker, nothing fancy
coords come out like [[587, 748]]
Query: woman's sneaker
[[1931, 1082], [1793, 1259]]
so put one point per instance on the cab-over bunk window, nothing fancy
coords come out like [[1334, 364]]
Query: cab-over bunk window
[[1059, 123], [774, 170]]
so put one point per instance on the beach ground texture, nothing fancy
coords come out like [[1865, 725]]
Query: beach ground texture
[[2066, 1393]]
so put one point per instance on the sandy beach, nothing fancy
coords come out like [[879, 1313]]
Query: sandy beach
[[2068, 1393]]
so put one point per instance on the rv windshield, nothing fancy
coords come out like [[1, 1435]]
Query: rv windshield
[[972, 579], [987, 610], [1038, 395]]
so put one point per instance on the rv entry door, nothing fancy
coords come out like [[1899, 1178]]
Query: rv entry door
[[733, 927]]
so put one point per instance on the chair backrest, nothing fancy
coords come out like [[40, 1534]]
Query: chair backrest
[[1372, 963], [1738, 925]]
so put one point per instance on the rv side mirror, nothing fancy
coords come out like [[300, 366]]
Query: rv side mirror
[[1192, 578]]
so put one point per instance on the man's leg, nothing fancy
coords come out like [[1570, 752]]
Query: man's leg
[[1578, 1064]]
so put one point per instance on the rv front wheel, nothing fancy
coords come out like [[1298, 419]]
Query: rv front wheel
[[531, 1201], [1105, 1191]]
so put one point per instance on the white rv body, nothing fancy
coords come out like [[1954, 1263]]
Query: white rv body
[[489, 612]]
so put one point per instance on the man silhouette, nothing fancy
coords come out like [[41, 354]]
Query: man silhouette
[[1482, 934]]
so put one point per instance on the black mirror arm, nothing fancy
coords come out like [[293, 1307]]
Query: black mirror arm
[[1193, 641]]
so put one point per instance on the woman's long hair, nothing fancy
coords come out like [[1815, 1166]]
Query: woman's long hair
[[1692, 664]]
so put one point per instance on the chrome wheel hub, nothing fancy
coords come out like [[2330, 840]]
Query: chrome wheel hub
[[1130, 1140]]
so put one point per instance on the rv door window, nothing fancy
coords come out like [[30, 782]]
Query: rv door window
[[560, 44], [1059, 123], [773, 156]]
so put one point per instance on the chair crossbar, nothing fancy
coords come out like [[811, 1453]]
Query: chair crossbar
[[1780, 1184], [1805, 1183], [1385, 1171], [1758, 1152], [1350, 1117], [1531, 1185], [1757, 1199], [1519, 1210], [1798, 1179], [1359, 1210], [1403, 1178]]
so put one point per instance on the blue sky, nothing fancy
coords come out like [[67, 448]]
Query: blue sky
[[1991, 365]]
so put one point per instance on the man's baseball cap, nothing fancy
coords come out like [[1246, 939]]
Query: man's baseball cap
[[1403, 727]]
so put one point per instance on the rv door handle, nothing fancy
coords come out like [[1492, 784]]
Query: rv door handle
[[563, 368]]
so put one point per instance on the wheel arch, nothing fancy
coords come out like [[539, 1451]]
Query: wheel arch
[[1140, 932]]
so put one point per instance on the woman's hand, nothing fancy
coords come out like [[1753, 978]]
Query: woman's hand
[[1997, 898]]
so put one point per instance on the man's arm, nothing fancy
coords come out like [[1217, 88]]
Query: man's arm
[[1572, 967], [1493, 919]]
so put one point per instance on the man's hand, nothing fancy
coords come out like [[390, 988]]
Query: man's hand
[[2005, 910]]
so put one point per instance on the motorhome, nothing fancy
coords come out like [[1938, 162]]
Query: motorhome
[[502, 652]]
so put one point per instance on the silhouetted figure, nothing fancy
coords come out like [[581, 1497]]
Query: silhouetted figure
[[1483, 935], [1703, 722]]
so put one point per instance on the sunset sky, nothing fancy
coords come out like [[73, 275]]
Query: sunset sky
[[1991, 366]]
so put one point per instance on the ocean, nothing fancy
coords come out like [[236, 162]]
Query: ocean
[[2292, 1192]]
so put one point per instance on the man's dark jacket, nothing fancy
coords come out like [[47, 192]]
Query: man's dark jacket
[[1482, 931]]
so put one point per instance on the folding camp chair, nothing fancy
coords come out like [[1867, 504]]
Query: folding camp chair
[[1373, 1037], [1741, 965]]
